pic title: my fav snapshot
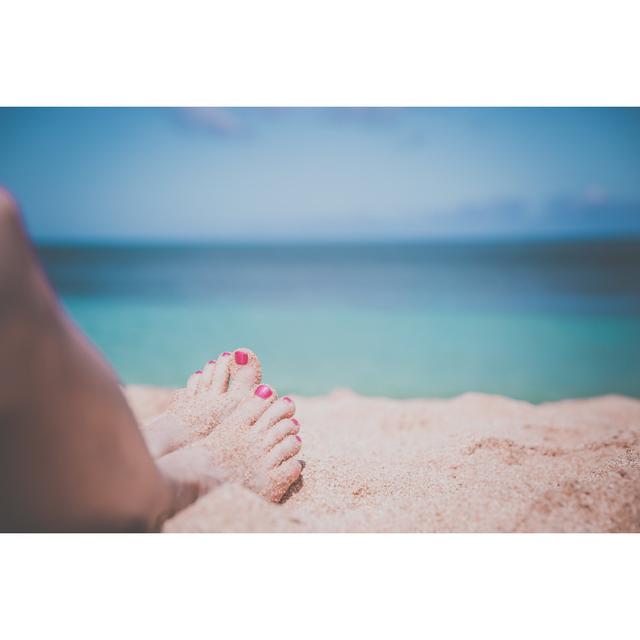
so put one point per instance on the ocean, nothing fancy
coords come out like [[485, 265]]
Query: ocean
[[535, 320]]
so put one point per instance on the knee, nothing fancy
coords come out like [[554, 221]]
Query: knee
[[8, 207], [10, 219], [15, 254]]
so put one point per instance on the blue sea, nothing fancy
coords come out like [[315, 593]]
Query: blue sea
[[535, 320]]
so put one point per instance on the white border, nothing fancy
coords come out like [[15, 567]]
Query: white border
[[333, 52], [319, 586], [318, 53]]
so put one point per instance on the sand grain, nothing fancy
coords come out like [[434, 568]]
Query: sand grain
[[473, 463]]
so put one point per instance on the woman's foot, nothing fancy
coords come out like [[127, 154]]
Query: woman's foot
[[211, 394], [254, 445]]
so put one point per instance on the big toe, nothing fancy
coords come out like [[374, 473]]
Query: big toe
[[249, 410], [245, 372]]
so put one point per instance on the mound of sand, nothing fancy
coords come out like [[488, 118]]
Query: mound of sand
[[473, 463]]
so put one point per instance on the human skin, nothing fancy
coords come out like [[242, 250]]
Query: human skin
[[72, 457]]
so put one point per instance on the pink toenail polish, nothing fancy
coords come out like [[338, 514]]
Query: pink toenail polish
[[287, 399], [295, 422], [263, 391], [242, 357], [298, 438], [212, 361], [198, 371], [226, 353]]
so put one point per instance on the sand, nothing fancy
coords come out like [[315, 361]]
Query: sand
[[473, 463]]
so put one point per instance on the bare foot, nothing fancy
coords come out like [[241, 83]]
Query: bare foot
[[255, 445], [210, 395]]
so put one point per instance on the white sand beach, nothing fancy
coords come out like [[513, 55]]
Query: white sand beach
[[473, 463]]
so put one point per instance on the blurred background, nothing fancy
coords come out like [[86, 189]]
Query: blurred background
[[399, 252]]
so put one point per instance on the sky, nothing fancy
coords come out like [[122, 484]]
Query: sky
[[158, 174]]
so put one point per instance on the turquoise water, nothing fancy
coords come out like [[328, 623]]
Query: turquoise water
[[537, 321]]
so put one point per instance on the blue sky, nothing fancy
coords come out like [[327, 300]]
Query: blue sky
[[207, 174]]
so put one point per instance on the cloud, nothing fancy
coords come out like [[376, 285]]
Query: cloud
[[597, 213], [594, 195], [561, 216], [214, 120], [363, 115], [239, 120], [593, 213]]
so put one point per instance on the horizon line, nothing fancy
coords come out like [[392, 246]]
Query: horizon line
[[500, 238]]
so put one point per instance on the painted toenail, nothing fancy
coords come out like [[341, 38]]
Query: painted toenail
[[295, 422], [212, 361], [226, 353], [198, 371], [242, 357], [298, 438], [264, 391], [287, 399]]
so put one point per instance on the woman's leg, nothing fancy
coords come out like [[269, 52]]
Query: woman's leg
[[71, 455]]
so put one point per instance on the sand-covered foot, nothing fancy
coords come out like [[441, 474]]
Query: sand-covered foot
[[209, 396], [255, 445]]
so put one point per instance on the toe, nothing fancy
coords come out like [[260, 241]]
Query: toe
[[194, 382], [281, 478], [244, 371], [208, 371], [283, 408], [250, 409], [284, 450], [220, 376], [279, 432]]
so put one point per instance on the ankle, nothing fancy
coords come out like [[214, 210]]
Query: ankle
[[189, 473]]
